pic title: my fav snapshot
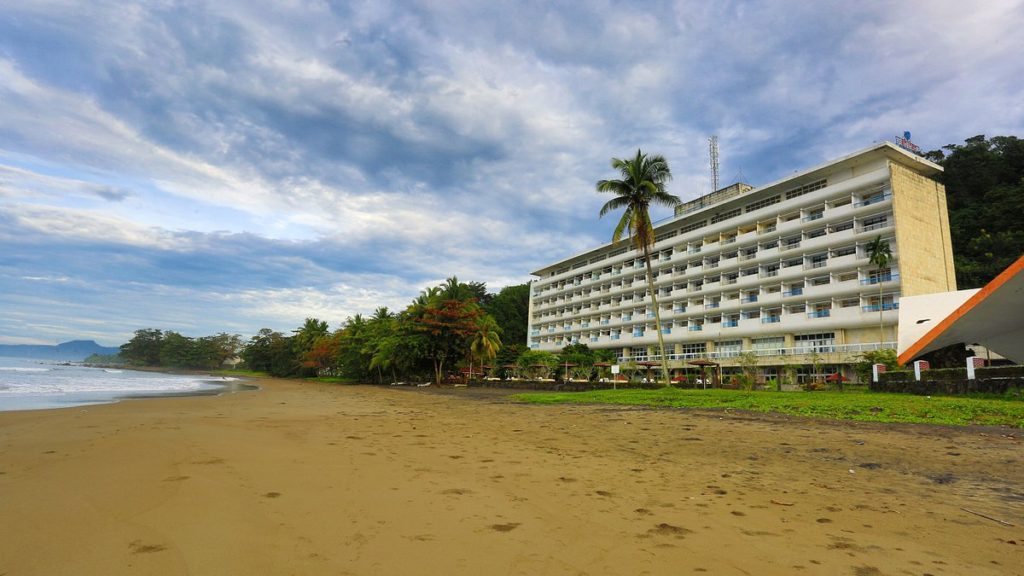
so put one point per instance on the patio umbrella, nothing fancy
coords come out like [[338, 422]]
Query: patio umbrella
[[539, 366], [649, 364], [702, 364], [567, 366]]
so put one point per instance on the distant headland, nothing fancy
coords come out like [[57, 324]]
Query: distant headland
[[74, 350]]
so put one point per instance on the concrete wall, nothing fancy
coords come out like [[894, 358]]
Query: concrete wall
[[922, 233]]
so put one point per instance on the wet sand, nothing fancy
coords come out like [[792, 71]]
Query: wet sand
[[317, 479]]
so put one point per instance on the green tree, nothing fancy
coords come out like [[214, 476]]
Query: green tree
[[220, 348], [178, 351], [303, 342], [484, 341], [510, 308], [748, 362], [880, 254], [885, 356], [271, 352], [642, 184], [537, 363], [144, 348], [984, 180], [448, 324], [354, 350]]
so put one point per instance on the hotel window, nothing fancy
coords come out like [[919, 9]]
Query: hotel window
[[797, 309], [665, 236], [800, 191], [816, 233], [818, 260], [762, 203], [700, 348], [692, 227], [844, 251], [822, 342], [725, 216], [814, 214], [874, 222], [771, 316], [771, 343], [727, 346]]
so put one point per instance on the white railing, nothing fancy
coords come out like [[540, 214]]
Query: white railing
[[795, 351]]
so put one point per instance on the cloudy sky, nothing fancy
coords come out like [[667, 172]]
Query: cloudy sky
[[216, 166]]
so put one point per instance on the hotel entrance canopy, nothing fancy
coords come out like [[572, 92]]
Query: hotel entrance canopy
[[992, 316]]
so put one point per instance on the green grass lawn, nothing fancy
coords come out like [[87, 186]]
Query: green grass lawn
[[863, 406]]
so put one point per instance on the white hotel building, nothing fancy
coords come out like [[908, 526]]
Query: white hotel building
[[781, 270]]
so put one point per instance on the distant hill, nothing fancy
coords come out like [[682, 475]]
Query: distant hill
[[73, 351]]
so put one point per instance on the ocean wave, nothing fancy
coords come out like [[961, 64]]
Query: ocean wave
[[111, 371], [22, 369]]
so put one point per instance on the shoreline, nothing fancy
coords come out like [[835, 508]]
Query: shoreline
[[312, 478], [208, 385]]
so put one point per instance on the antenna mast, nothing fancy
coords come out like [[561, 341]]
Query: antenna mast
[[713, 150]]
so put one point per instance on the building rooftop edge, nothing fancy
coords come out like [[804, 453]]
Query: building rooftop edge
[[890, 150]]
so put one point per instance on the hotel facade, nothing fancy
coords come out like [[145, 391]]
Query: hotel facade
[[781, 270]]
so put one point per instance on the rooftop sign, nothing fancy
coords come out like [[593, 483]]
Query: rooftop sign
[[905, 143]]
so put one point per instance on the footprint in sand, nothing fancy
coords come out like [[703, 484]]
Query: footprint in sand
[[504, 527], [665, 529], [137, 547], [272, 495]]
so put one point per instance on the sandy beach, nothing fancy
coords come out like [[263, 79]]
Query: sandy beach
[[317, 479]]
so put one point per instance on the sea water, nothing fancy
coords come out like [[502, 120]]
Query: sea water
[[30, 384]]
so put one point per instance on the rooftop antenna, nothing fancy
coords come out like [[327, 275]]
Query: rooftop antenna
[[713, 150]]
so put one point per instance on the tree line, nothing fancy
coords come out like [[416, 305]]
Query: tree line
[[454, 326], [984, 180]]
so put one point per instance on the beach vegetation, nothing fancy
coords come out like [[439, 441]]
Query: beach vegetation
[[642, 183]]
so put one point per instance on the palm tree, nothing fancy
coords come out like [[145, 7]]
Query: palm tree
[[879, 254], [642, 184], [485, 342]]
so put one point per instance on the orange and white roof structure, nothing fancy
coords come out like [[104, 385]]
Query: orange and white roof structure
[[992, 316]]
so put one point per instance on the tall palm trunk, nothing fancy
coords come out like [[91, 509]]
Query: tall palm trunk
[[881, 307], [657, 315]]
